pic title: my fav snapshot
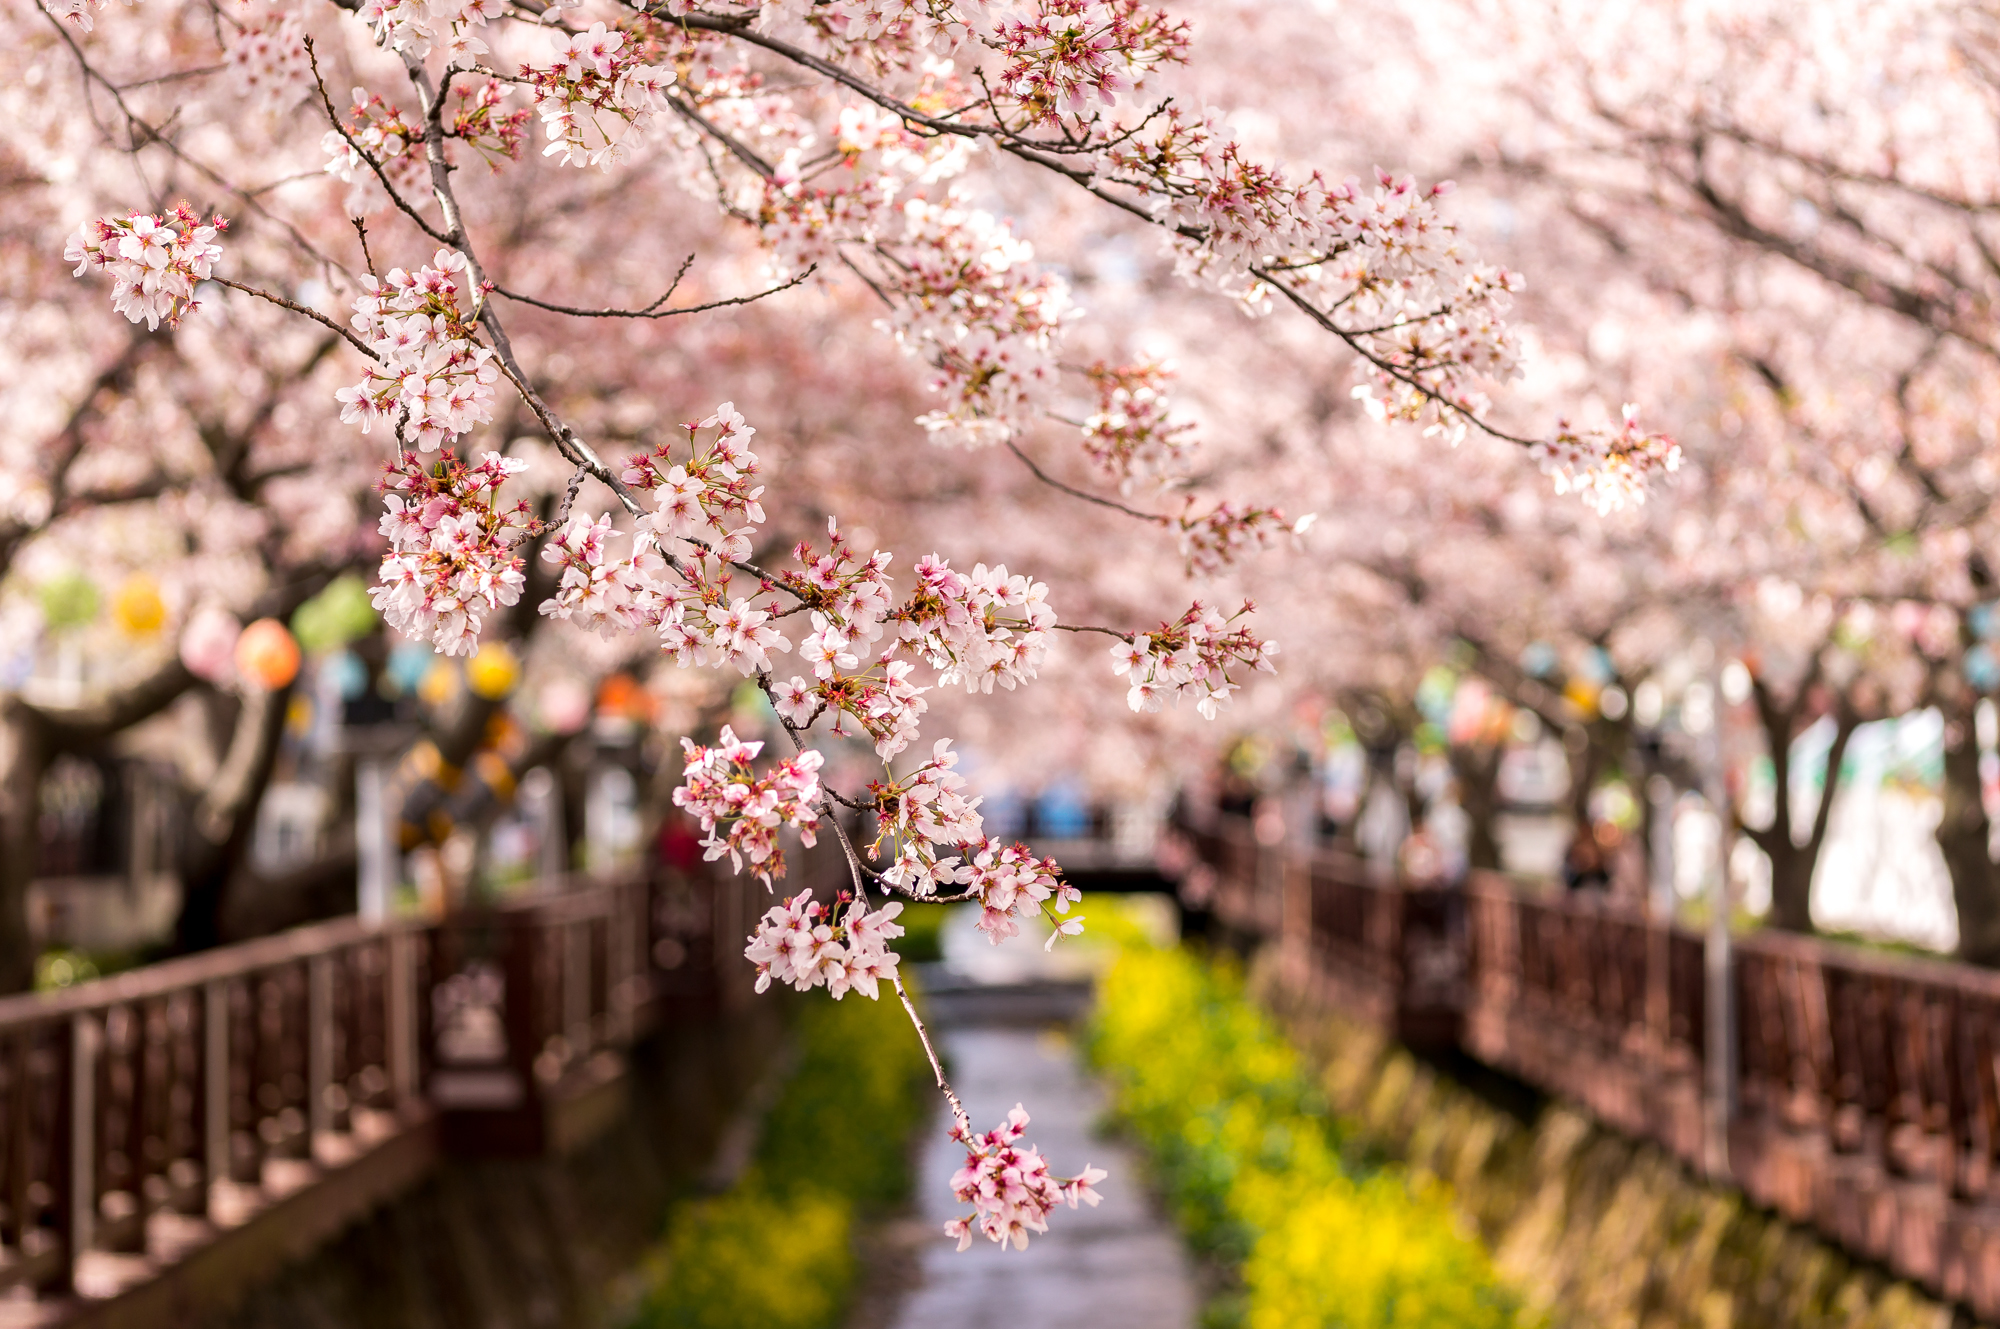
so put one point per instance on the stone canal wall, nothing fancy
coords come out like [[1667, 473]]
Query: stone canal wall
[[1597, 1230]]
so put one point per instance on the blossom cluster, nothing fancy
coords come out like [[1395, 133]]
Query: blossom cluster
[[597, 97], [417, 26], [1066, 56], [268, 60], [801, 942], [741, 812], [596, 591], [1009, 882], [451, 558], [967, 296], [1226, 532], [429, 369], [922, 817], [1009, 1186], [1130, 434], [380, 131], [1190, 657], [677, 577], [1609, 467], [712, 498], [79, 14], [154, 260], [978, 628]]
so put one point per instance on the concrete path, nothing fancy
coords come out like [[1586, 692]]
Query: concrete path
[[1118, 1266]]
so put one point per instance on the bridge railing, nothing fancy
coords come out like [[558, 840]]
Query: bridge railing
[[144, 1115], [1866, 1096], [175, 1089]]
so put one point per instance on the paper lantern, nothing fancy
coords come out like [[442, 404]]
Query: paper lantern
[[266, 655], [137, 607], [493, 672], [208, 644], [69, 600], [564, 705]]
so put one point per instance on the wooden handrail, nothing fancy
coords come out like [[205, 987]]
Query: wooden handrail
[[1869, 1102]]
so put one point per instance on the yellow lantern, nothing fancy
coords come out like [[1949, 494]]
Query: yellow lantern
[[493, 672], [266, 655], [137, 607]]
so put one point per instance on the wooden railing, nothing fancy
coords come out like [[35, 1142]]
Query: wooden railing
[[145, 1117], [184, 1089], [1865, 1094]]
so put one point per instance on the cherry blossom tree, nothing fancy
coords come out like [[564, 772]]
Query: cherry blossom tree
[[843, 152]]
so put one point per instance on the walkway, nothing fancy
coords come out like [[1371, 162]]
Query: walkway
[[1118, 1266]]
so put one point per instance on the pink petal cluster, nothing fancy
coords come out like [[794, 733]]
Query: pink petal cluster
[[1226, 532], [154, 260], [1190, 657], [80, 14], [1609, 467], [713, 497], [418, 26], [430, 367], [451, 558], [967, 296], [1010, 882], [1009, 1187], [597, 591], [1065, 57], [597, 96], [921, 814], [741, 812], [977, 628], [378, 129], [1130, 434], [801, 943], [268, 61]]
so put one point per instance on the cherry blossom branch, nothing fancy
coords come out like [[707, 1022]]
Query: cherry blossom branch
[[1047, 479], [298, 308], [653, 310], [937, 1067], [1389, 367], [154, 134], [1006, 139], [430, 141], [647, 312]]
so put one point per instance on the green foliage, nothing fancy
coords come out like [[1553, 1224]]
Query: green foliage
[[336, 616], [1252, 1165], [776, 1251], [922, 940]]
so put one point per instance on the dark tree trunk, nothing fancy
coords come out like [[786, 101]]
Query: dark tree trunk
[[225, 819], [1478, 772], [23, 757], [1793, 862], [1963, 835]]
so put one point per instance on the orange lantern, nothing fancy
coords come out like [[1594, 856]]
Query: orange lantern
[[266, 655]]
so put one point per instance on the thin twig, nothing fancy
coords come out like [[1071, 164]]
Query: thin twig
[[333, 118], [1085, 495], [653, 310], [298, 308]]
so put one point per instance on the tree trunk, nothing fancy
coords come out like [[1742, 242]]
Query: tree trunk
[[1478, 771], [23, 755], [1962, 836], [226, 816]]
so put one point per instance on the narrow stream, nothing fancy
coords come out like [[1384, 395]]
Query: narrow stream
[[1120, 1264]]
